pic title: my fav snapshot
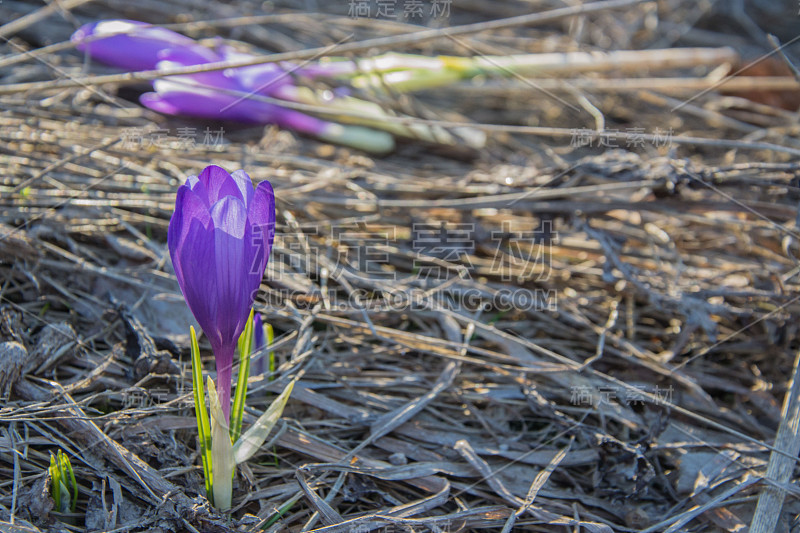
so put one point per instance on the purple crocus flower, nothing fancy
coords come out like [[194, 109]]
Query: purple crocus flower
[[145, 47], [219, 239], [129, 44], [133, 45], [196, 95], [224, 94]]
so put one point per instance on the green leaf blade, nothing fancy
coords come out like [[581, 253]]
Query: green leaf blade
[[203, 425]]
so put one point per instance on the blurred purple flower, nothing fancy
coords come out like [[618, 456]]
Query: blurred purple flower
[[229, 94], [133, 45], [197, 95], [129, 44], [219, 239], [146, 47]]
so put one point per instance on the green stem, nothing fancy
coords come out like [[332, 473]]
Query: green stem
[[203, 425], [282, 511], [270, 340], [68, 468], [55, 480], [245, 346], [374, 117], [409, 72]]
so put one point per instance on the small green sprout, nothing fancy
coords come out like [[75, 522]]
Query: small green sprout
[[62, 479]]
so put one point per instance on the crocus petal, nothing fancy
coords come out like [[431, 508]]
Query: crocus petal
[[260, 79], [195, 260], [180, 95], [245, 185], [190, 55], [199, 188], [173, 58], [232, 250], [157, 103], [191, 208], [232, 284], [196, 94], [218, 185], [266, 78], [261, 214], [136, 49], [258, 332]]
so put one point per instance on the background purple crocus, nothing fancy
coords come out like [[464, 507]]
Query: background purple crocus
[[133, 45], [198, 95], [219, 239], [129, 44], [229, 94]]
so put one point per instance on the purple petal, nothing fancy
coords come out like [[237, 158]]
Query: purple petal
[[157, 103], [261, 214], [197, 55], [261, 211], [258, 332], [176, 226], [234, 296], [137, 49], [183, 97], [267, 78], [195, 95], [232, 253], [199, 188], [194, 259], [260, 79], [188, 207], [216, 185], [230, 215], [190, 55], [245, 185]]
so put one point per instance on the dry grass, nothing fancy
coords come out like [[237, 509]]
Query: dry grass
[[642, 392]]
